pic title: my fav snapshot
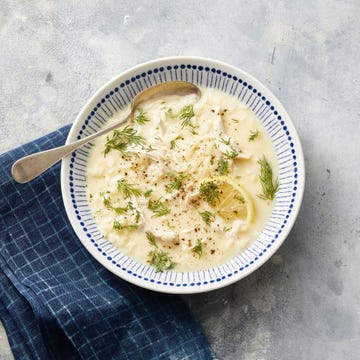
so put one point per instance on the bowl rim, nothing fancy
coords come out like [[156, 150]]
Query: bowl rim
[[216, 285]]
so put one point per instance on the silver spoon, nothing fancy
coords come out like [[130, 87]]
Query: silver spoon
[[31, 166]]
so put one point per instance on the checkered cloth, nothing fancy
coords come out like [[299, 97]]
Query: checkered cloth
[[57, 302]]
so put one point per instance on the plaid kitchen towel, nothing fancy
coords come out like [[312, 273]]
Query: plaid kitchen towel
[[57, 302]]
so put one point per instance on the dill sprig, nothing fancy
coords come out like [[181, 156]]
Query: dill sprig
[[253, 135], [176, 183], [223, 162], [141, 118], [137, 217], [119, 210], [268, 185], [158, 208], [128, 189], [173, 142], [122, 139], [106, 199], [223, 165], [147, 193], [226, 142], [197, 249], [158, 258], [185, 115], [207, 217], [118, 226], [123, 210], [209, 190], [230, 155], [151, 239]]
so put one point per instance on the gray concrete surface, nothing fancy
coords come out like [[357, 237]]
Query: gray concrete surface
[[305, 302]]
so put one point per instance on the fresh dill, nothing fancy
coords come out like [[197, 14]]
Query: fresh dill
[[223, 162], [120, 210], [130, 206], [149, 148], [226, 142], [147, 193], [173, 142], [128, 189], [118, 226], [185, 115], [123, 210], [151, 239], [197, 249], [209, 190], [106, 199], [268, 184], [232, 154], [122, 139], [159, 259], [137, 217], [158, 208], [207, 217], [176, 182], [223, 165], [253, 135], [235, 120], [141, 118]]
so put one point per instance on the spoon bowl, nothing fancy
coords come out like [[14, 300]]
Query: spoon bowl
[[31, 166]]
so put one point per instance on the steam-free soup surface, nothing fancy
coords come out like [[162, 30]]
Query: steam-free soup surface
[[179, 188]]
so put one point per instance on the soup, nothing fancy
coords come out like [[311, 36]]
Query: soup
[[187, 184]]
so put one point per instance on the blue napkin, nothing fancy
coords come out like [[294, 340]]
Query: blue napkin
[[57, 302]]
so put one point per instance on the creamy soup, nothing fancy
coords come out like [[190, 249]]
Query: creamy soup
[[185, 186]]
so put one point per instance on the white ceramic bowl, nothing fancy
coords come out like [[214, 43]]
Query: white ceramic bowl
[[116, 94]]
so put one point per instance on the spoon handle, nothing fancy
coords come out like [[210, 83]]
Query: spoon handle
[[31, 166]]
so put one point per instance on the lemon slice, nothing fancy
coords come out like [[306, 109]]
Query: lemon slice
[[233, 202]]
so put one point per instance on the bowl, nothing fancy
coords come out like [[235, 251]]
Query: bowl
[[117, 93]]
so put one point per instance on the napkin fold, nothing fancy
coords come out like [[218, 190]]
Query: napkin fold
[[58, 302]]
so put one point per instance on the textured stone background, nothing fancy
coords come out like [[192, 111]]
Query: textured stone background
[[305, 302]]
